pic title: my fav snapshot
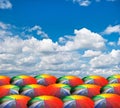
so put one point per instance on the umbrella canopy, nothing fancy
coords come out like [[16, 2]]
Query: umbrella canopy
[[8, 89], [33, 90], [111, 88], [59, 90], [107, 101], [4, 80], [94, 79], [114, 78], [45, 102], [14, 101], [76, 101], [22, 80], [70, 80], [45, 79], [89, 90]]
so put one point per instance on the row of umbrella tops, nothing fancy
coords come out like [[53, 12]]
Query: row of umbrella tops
[[59, 90], [46, 79], [72, 101]]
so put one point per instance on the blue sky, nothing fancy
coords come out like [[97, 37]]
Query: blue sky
[[36, 34]]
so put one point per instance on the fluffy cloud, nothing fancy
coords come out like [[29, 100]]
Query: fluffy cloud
[[39, 31], [118, 41], [84, 39], [109, 60], [82, 2], [33, 56], [5, 4], [91, 53], [112, 29]]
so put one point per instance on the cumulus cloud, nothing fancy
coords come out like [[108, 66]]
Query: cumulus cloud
[[5, 4], [84, 39], [91, 53], [118, 41], [82, 2], [109, 60], [112, 29], [33, 56], [38, 30]]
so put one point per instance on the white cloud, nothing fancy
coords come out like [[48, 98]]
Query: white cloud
[[82, 2], [91, 53], [118, 41], [106, 60], [112, 43], [39, 31], [5, 4], [84, 39], [112, 29], [34, 56]]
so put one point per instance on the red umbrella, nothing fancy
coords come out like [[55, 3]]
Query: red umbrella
[[22, 80], [70, 80], [4, 80], [45, 79], [8, 90]]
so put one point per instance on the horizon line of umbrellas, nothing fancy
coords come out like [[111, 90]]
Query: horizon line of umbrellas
[[48, 91]]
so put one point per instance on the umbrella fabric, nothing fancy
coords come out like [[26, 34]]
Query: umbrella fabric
[[8, 90], [114, 78], [70, 80], [77, 101], [22, 80], [94, 79], [45, 102], [14, 101], [111, 88], [4, 80], [45, 79], [33, 90], [89, 90], [59, 90], [107, 101]]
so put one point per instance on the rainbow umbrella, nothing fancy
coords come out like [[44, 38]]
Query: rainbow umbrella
[[45, 79], [77, 101], [114, 78], [45, 102], [33, 90], [89, 90], [4, 80], [70, 80], [14, 101], [59, 90], [107, 101], [8, 89], [111, 88], [94, 79], [22, 80]]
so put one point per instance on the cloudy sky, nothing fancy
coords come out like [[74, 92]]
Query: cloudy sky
[[60, 37]]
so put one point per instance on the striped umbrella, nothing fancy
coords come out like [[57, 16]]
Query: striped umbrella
[[22, 80], [45, 79], [114, 78], [33, 90], [4, 80], [59, 90], [94, 79], [89, 90], [107, 101], [111, 88], [70, 80], [77, 101], [45, 102], [8, 90], [14, 101]]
